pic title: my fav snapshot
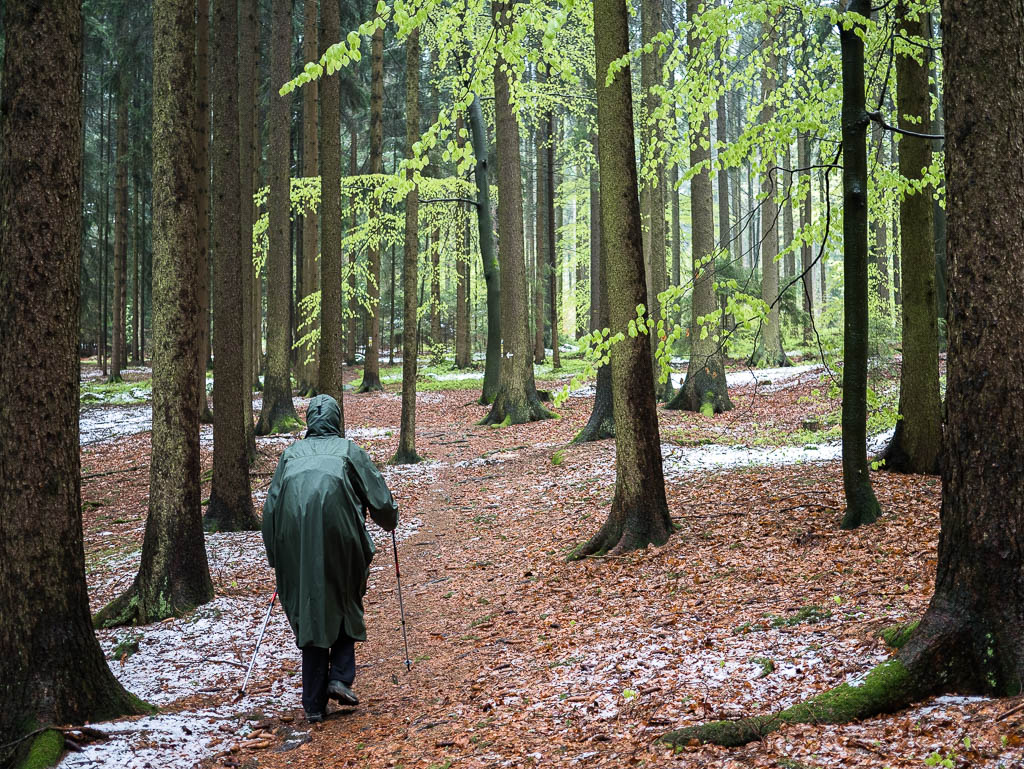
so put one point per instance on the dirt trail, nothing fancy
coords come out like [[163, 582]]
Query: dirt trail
[[523, 659]]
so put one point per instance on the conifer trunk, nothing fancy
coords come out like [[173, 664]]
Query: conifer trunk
[[202, 134], [371, 360], [278, 412], [540, 260], [332, 328], [174, 576], [247, 162], [230, 507], [52, 670], [308, 356], [117, 347], [406, 453]]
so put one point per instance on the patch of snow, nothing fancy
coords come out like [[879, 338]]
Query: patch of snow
[[679, 460], [100, 425], [766, 379]]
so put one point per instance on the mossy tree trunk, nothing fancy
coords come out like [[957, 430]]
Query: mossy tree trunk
[[278, 412], [52, 670], [230, 507], [516, 401], [861, 505], [554, 217], [202, 139], [406, 453], [332, 331], [704, 389], [917, 442], [485, 231], [247, 170], [310, 167], [595, 243], [970, 640], [639, 512], [174, 576]]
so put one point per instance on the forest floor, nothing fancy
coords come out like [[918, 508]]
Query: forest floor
[[521, 658]]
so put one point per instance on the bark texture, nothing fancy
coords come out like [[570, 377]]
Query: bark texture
[[310, 167], [278, 412], [202, 139], [861, 505], [371, 362], [332, 333], [639, 512], [247, 169], [174, 576], [406, 453], [917, 442], [52, 670], [485, 227], [704, 389], [540, 273], [230, 507], [516, 401]]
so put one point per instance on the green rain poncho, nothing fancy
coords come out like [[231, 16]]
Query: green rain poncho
[[314, 528]]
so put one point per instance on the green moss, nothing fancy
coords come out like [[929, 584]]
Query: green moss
[[286, 425], [896, 636], [44, 750], [886, 688]]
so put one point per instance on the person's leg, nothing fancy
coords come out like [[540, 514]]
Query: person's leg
[[315, 663], [343, 660]]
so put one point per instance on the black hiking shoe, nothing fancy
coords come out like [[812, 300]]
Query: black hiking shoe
[[339, 691], [314, 718]]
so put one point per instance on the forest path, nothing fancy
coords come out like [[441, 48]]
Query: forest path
[[521, 658]]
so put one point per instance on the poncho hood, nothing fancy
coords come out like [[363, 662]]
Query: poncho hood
[[323, 417]]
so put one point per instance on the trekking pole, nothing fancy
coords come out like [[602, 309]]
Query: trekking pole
[[401, 608], [241, 692]]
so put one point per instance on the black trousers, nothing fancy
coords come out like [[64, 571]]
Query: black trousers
[[320, 666]]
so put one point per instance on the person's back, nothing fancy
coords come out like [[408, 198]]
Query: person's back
[[316, 541]]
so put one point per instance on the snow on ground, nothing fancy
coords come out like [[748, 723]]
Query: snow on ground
[[766, 379], [681, 460], [205, 654]]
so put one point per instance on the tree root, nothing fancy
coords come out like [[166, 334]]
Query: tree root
[[887, 688], [505, 411]]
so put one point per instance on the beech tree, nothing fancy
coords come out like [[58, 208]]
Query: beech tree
[[174, 576], [639, 512], [52, 670], [516, 400], [970, 639]]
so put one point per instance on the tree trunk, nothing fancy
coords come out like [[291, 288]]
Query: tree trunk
[[878, 253], [639, 512], [652, 186], [332, 327], [202, 170], [553, 226], [117, 347], [350, 284], [174, 576], [704, 389], [601, 424], [463, 353], [806, 257], [861, 505], [248, 151], [308, 356], [917, 442], [406, 453], [769, 351], [970, 639], [137, 270], [371, 360], [52, 670], [485, 227], [789, 261], [722, 177], [596, 317], [516, 401], [230, 507], [278, 413], [540, 272]]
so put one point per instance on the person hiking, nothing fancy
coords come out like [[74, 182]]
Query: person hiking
[[314, 531]]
